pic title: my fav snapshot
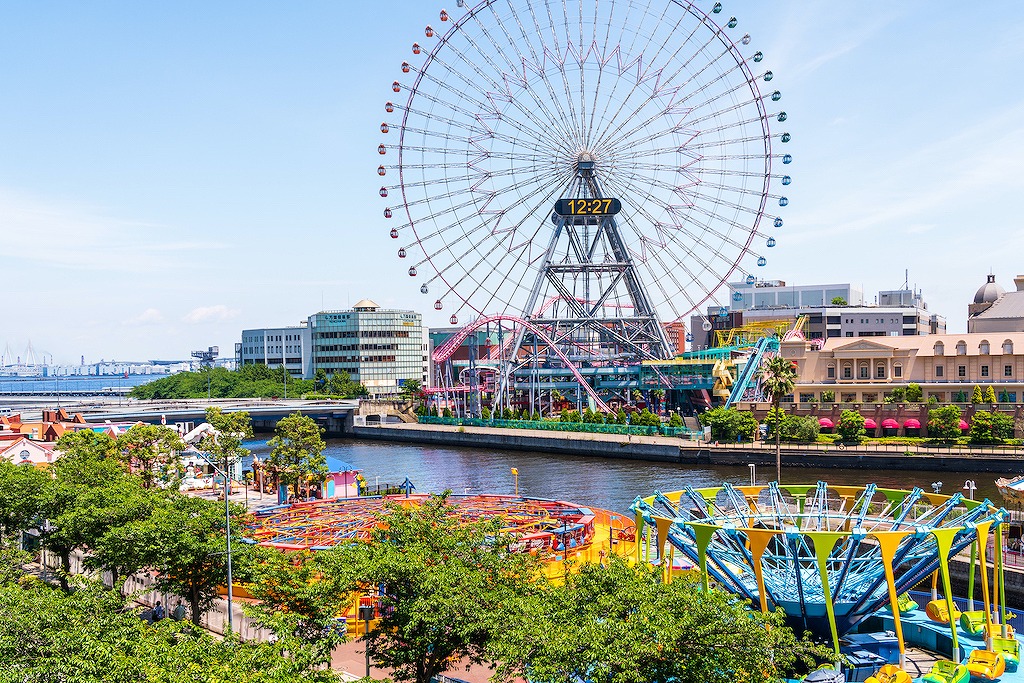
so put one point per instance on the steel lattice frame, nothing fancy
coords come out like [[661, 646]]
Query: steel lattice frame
[[791, 527], [538, 523], [511, 105]]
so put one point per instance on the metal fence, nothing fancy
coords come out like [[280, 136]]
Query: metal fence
[[588, 427]]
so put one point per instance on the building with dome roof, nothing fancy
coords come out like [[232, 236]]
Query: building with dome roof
[[996, 310]]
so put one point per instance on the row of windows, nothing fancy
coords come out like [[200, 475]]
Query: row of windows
[[897, 371], [355, 359], [362, 334], [358, 347], [961, 348]]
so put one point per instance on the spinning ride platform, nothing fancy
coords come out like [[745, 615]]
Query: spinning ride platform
[[829, 556]]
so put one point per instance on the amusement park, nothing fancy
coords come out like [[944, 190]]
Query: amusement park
[[570, 188]]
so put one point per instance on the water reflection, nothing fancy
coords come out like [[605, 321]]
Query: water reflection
[[600, 482]]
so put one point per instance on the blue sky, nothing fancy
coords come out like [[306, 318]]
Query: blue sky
[[172, 173]]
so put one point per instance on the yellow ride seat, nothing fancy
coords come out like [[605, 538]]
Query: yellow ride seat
[[986, 664]]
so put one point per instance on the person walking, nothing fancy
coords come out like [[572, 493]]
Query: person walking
[[158, 611]]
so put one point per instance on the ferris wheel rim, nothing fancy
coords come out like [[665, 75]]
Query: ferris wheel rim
[[450, 281]]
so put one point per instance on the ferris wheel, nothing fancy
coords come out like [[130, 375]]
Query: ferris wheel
[[508, 109]]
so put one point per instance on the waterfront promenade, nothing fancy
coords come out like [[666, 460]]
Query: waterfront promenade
[[876, 456]]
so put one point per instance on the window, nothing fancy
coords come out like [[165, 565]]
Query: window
[[880, 372], [849, 334], [1007, 371], [983, 348], [849, 398], [961, 348], [939, 349], [806, 398], [897, 370], [1007, 347], [864, 372], [831, 373], [984, 371], [939, 371], [847, 372], [961, 371], [871, 397], [938, 396]]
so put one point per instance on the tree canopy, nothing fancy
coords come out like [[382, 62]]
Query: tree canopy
[[249, 381], [297, 451], [620, 623], [152, 450]]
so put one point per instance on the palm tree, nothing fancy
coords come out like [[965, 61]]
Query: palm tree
[[778, 377]]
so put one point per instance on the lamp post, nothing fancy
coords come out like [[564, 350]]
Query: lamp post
[[227, 530], [515, 474], [753, 468], [366, 613], [970, 487]]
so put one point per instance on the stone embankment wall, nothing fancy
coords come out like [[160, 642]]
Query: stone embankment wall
[[669, 449]]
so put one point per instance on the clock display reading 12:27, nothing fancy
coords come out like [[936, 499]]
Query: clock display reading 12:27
[[597, 206]]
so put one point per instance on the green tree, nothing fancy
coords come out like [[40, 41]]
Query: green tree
[[77, 474], [728, 423], [224, 445], [657, 396], [914, 393], [802, 428], [485, 413], [944, 423], [976, 395], [297, 451], [620, 417], [445, 584], [184, 539], [675, 420], [86, 442], [838, 301], [411, 389], [93, 636], [152, 451], [828, 396], [850, 426], [778, 378], [607, 623], [897, 395], [23, 497], [990, 395], [320, 380]]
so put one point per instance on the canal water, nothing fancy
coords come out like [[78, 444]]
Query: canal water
[[606, 483]]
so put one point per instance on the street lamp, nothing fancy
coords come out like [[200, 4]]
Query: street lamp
[[753, 468], [227, 529], [366, 614], [970, 487], [936, 486]]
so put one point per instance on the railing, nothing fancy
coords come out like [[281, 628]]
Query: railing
[[590, 427]]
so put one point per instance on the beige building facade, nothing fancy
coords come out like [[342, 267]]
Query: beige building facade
[[946, 366]]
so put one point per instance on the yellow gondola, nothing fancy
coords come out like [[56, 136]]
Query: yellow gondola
[[986, 665], [946, 671], [938, 611], [973, 622], [890, 673], [1009, 648]]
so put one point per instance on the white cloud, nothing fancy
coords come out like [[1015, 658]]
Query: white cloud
[[150, 316], [205, 314]]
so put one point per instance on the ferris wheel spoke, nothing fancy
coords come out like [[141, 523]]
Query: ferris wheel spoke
[[482, 130], [488, 110], [518, 68], [677, 224]]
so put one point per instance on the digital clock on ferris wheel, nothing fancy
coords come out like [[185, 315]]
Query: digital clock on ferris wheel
[[597, 206]]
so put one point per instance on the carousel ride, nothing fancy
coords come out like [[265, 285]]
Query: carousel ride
[[834, 558], [571, 185]]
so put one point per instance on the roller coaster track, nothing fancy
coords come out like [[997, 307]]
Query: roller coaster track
[[448, 348]]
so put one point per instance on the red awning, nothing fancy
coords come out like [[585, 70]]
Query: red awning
[[869, 423], [964, 425], [912, 424], [889, 423], [825, 422]]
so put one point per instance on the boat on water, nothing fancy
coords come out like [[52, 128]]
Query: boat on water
[[1012, 490]]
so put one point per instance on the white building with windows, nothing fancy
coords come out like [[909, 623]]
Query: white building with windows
[[277, 346]]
